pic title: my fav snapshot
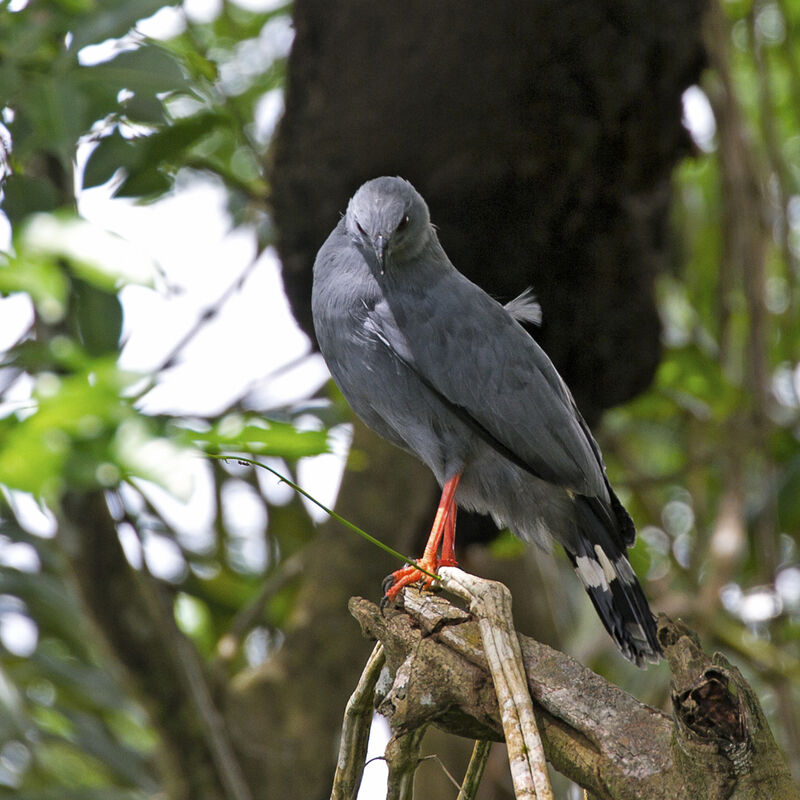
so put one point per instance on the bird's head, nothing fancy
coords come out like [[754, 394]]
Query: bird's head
[[388, 218]]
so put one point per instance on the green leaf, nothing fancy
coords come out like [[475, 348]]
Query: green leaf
[[95, 255], [74, 412], [113, 152], [58, 112], [149, 69], [140, 452], [93, 738], [148, 183], [39, 277], [48, 603], [144, 109], [173, 141], [75, 769], [98, 316], [261, 437], [23, 196], [148, 158]]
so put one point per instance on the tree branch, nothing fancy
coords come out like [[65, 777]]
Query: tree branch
[[355, 731], [718, 745], [490, 602], [477, 764], [402, 758]]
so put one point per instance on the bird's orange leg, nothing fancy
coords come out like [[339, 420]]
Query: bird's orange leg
[[442, 532], [448, 558]]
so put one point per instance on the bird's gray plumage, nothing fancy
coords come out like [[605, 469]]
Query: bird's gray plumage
[[436, 366]]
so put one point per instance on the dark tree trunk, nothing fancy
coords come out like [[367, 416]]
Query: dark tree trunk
[[543, 136]]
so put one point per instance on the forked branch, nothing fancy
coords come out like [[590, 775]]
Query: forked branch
[[717, 743]]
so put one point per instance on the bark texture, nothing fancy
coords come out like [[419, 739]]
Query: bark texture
[[716, 745]]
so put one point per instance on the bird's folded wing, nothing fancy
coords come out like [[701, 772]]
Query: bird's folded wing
[[489, 372]]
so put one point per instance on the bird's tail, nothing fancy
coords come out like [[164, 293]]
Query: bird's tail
[[598, 557]]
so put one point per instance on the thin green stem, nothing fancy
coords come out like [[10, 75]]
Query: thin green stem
[[330, 512], [477, 763]]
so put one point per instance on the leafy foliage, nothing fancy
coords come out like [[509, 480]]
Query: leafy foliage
[[81, 85]]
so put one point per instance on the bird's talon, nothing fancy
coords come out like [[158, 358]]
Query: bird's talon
[[386, 584], [405, 576], [383, 604]]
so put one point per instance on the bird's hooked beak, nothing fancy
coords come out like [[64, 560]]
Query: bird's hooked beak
[[380, 246]]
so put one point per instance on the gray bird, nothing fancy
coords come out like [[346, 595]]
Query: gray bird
[[436, 366]]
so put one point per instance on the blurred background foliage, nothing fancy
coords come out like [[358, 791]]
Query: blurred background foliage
[[707, 460]]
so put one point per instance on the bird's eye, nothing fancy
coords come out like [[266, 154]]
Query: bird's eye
[[360, 229], [403, 223]]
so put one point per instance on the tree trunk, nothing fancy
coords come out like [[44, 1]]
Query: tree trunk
[[543, 136]]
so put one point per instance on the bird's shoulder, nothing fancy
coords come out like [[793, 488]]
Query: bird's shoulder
[[470, 348], [337, 255], [450, 316]]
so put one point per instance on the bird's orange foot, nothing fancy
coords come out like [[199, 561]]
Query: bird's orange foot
[[405, 576], [443, 532], [411, 573]]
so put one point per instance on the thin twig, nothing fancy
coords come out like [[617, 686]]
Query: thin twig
[[442, 766], [205, 315], [355, 730], [402, 758], [475, 768], [330, 512]]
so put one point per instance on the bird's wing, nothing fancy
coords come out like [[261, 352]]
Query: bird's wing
[[490, 373]]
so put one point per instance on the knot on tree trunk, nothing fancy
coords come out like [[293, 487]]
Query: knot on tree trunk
[[720, 726]]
